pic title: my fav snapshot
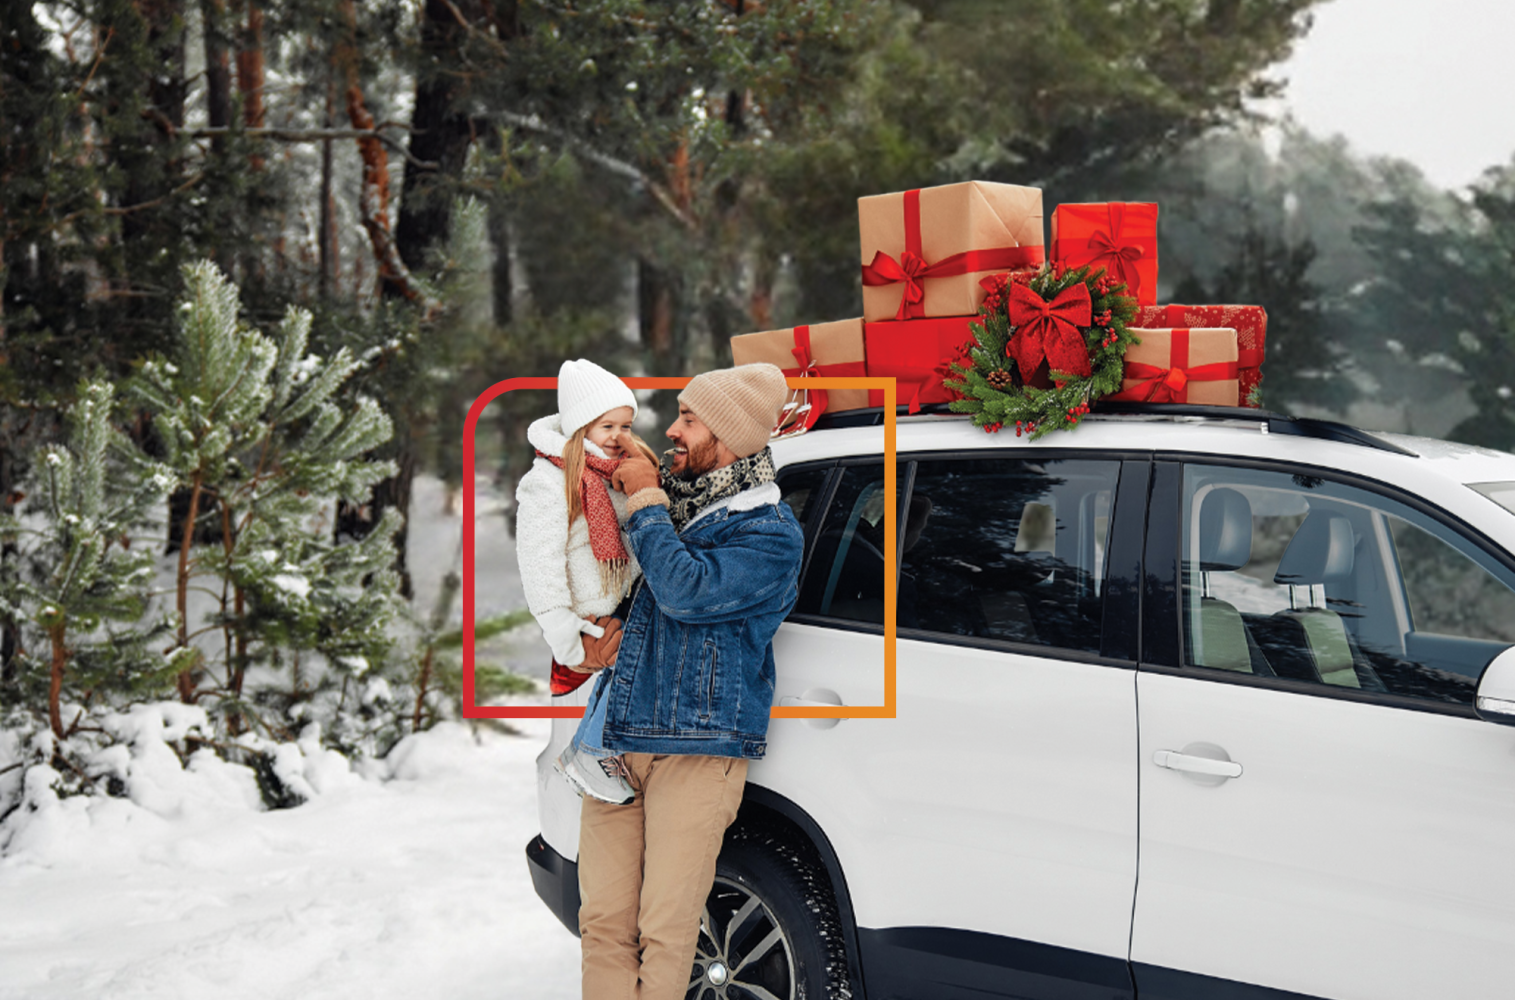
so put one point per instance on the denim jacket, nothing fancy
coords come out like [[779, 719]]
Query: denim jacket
[[695, 670]]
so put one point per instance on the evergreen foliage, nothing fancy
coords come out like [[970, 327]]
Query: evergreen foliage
[[997, 398], [254, 429], [78, 590]]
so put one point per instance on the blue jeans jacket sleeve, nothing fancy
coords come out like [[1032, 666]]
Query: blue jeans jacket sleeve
[[695, 584]]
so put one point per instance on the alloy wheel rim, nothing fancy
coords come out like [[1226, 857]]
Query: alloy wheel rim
[[743, 953]]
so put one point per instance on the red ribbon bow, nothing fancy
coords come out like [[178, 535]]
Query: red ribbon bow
[[1051, 330], [910, 268], [807, 369], [1118, 258]]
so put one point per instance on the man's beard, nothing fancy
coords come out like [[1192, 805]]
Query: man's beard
[[700, 459]]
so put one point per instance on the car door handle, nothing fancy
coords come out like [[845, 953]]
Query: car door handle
[[1175, 761], [789, 701]]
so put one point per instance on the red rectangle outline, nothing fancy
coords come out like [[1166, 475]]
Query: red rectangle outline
[[470, 426]]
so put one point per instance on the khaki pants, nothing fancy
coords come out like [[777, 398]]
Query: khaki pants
[[645, 870]]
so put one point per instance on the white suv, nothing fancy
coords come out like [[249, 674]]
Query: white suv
[[1192, 703]]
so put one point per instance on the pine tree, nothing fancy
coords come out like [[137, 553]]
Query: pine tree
[[254, 429], [78, 591]]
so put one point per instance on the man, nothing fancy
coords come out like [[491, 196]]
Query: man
[[693, 682]]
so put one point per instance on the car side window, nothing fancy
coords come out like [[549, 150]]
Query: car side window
[[1008, 549], [1308, 579], [845, 577], [801, 489]]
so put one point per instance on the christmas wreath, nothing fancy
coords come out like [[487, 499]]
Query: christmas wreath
[[1049, 343]]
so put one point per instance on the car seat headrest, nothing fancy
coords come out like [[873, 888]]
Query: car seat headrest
[[1037, 531], [1225, 531], [1319, 552]]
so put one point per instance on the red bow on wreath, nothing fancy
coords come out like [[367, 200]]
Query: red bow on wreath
[[1051, 330]]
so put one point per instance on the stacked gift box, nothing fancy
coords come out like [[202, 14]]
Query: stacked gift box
[[930, 256]]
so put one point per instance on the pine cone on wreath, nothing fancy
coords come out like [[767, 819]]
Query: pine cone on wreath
[[1000, 379]]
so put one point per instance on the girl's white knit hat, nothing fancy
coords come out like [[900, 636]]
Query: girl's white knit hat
[[585, 390]]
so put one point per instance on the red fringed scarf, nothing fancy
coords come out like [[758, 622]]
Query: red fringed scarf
[[604, 526]]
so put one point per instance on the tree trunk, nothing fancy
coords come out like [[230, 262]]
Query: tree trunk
[[250, 74], [217, 69], [657, 317], [186, 680], [441, 133], [502, 287], [55, 683], [441, 130], [328, 233], [150, 164]]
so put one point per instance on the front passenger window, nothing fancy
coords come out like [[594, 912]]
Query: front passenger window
[[1307, 579]]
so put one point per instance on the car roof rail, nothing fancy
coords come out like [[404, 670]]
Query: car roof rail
[[1277, 423], [873, 416]]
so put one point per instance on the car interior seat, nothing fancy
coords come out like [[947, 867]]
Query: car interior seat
[[1225, 544], [1321, 552]]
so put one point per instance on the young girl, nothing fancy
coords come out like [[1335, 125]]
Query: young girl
[[575, 566]]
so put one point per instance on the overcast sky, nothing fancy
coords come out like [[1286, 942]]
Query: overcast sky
[[1430, 81]]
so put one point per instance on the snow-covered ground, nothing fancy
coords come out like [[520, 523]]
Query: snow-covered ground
[[409, 881]]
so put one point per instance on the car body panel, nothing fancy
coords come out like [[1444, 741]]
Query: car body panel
[[1045, 818], [992, 825], [1363, 854]]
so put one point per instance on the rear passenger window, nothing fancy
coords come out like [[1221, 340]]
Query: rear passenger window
[[1303, 578], [847, 570], [1008, 549]]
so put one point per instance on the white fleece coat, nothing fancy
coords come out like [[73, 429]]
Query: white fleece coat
[[558, 568]]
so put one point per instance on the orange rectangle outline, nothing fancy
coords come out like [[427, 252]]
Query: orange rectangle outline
[[470, 426]]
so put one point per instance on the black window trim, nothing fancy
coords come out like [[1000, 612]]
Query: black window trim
[[905, 464], [1359, 481]]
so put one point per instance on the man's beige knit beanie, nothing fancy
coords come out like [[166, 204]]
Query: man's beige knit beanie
[[740, 405]]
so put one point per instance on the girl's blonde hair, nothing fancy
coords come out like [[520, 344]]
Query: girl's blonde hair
[[573, 467]]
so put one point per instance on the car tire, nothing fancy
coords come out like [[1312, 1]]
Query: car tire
[[770, 929]]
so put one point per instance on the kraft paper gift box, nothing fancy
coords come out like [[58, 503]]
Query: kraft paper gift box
[[1120, 236], [917, 354], [1181, 366], [1249, 322], [833, 350], [925, 250]]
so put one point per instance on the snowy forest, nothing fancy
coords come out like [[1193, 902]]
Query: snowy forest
[[258, 256]]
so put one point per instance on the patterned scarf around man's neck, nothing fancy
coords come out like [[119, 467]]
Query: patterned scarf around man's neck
[[599, 516], [687, 497]]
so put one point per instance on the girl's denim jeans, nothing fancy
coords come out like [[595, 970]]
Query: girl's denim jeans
[[590, 736]]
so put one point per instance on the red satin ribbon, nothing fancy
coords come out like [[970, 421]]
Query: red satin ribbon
[[1171, 385], [911, 267], [1246, 357], [1118, 254], [1051, 330], [819, 400]]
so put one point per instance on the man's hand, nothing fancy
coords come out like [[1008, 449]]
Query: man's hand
[[634, 473], [601, 653]]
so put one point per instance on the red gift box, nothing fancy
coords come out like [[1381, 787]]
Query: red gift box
[[917, 353], [1181, 366], [1119, 236], [1249, 322]]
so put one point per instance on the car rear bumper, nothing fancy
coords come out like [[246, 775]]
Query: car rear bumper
[[556, 880]]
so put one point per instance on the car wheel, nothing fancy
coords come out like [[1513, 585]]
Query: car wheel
[[770, 929]]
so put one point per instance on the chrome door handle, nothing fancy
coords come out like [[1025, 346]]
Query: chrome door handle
[[1175, 761], [789, 701]]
